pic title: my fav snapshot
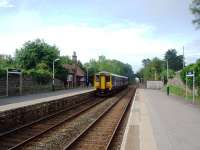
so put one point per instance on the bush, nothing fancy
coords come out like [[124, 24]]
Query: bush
[[41, 76], [185, 71], [2, 73], [171, 73], [190, 68]]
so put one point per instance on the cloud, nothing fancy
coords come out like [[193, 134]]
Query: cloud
[[6, 4], [127, 42]]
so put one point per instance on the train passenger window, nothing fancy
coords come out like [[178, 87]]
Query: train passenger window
[[97, 78]]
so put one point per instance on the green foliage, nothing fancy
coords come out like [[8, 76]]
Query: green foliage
[[195, 9], [146, 62], [190, 68], [175, 61], [35, 52], [65, 59], [171, 74], [40, 74], [114, 66], [2, 73], [157, 68], [81, 66], [60, 72], [151, 69], [176, 90], [6, 61], [36, 57], [186, 70]]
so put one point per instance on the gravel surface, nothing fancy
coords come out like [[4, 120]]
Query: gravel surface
[[117, 139], [65, 133], [99, 135], [9, 140]]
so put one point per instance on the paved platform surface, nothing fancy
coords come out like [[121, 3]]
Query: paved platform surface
[[20, 101], [139, 132], [175, 122], [162, 122]]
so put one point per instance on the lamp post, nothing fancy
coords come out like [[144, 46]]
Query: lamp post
[[167, 76], [53, 87], [87, 82]]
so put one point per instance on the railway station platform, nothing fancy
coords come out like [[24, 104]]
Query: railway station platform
[[21, 101], [17, 111], [138, 133], [161, 122]]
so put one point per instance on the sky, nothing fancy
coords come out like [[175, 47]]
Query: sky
[[126, 30]]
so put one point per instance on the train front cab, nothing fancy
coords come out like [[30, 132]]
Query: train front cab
[[103, 84]]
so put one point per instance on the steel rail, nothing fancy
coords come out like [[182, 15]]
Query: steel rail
[[56, 125], [41, 119], [93, 123], [119, 121], [46, 118]]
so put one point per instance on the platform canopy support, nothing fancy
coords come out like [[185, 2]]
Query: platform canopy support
[[13, 71]]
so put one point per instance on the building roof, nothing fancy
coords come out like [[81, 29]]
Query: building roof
[[71, 69]]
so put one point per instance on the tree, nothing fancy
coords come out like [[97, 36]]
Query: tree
[[6, 61], [175, 61], [145, 62], [151, 69], [35, 52], [195, 8], [36, 57], [40, 74], [113, 66], [60, 72]]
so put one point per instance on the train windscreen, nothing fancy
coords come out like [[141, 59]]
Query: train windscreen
[[107, 78], [97, 78]]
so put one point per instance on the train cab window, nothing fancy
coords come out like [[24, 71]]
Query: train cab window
[[97, 78], [107, 78]]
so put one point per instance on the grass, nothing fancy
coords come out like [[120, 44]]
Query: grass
[[176, 90]]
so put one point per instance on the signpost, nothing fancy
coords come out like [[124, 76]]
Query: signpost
[[191, 74]]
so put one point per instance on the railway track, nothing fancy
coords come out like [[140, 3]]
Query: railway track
[[98, 135], [89, 125], [18, 137]]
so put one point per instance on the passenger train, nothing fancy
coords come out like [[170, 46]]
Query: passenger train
[[106, 83]]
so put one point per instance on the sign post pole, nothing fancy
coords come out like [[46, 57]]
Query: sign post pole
[[186, 85], [7, 82], [190, 74], [193, 97]]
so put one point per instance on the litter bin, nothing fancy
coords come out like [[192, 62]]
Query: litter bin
[[168, 90]]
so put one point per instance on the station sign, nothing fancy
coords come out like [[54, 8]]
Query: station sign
[[14, 71], [190, 74]]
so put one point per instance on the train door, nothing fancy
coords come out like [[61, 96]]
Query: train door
[[102, 82]]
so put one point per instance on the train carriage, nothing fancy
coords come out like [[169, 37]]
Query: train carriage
[[106, 83]]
